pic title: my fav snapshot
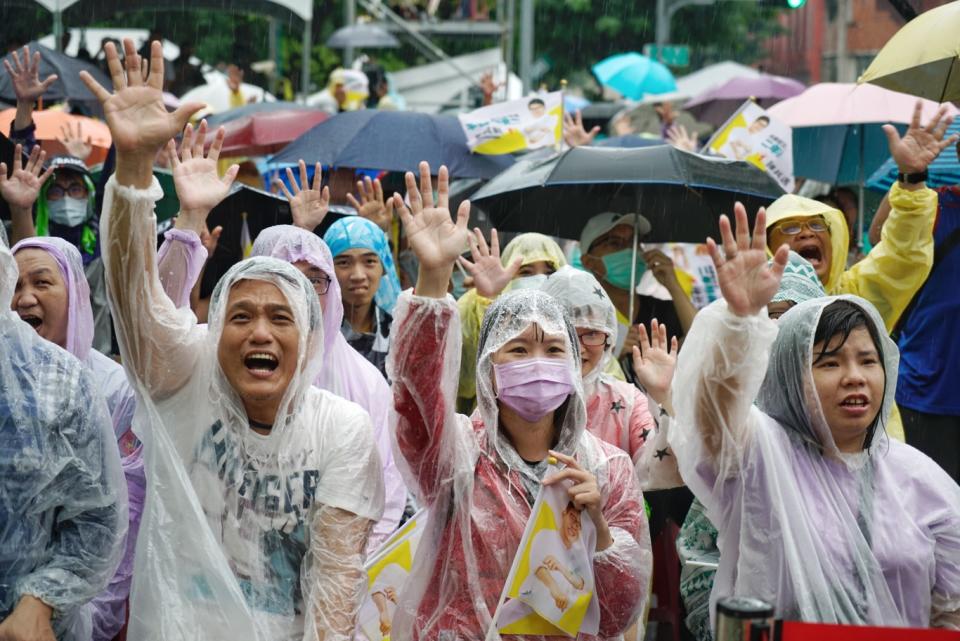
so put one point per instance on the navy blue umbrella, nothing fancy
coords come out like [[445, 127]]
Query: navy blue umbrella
[[68, 85], [391, 141], [630, 141]]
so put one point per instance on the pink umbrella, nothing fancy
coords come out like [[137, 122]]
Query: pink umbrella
[[266, 132], [836, 103], [718, 104]]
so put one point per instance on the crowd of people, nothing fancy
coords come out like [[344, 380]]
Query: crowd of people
[[231, 471]]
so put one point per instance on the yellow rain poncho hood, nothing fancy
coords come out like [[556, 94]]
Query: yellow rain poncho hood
[[792, 206]]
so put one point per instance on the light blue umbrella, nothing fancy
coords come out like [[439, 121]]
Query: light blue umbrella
[[944, 171], [633, 75]]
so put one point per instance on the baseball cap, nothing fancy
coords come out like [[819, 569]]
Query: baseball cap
[[69, 162], [603, 223]]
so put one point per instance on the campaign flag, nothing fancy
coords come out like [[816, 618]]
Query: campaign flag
[[529, 123], [246, 242], [387, 571], [753, 135], [550, 588]]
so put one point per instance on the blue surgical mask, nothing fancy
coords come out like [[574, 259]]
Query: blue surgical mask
[[620, 264], [69, 212], [528, 282]]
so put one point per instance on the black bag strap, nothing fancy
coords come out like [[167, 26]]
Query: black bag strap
[[939, 253]]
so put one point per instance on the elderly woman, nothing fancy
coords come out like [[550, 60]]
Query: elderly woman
[[62, 495], [52, 296], [781, 435], [480, 476], [262, 488]]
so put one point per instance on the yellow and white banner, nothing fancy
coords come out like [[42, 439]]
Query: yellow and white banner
[[753, 135], [506, 127], [550, 587], [387, 571]]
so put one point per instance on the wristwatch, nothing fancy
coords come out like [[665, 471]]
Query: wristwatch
[[913, 179]]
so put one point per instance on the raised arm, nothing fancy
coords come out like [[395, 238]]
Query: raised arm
[[424, 358], [21, 189], [155, 340], [722, 364], [27, 86]]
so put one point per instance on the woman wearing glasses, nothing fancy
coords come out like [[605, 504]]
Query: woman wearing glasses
[[618, 412], [898, 265]]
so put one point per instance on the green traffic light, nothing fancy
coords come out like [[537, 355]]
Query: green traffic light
[[796, 4]]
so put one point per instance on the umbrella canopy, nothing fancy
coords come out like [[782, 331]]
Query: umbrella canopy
[[599, 114], [362, 36], [633, 75], [717, 105], [48, 124], [630, 141], [837, 135], [944, 170], [923, 58], [68, 85], [252, 108], [267, 132], [680, 193], [391, 141]]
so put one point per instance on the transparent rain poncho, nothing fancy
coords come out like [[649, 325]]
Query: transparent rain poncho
[[868, 538], [531, 248], [63, 500], [476, 487], [345, 372], [244, 536], [110, 607], [617, 412]]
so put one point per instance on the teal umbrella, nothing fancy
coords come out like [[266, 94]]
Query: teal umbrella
[[633, 75]]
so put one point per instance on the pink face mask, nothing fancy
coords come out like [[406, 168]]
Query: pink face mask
[[534, 387]]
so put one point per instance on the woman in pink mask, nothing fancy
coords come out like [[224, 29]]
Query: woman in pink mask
[[479, 476]]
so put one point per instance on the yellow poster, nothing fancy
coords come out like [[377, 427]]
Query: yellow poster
[[529, 123]]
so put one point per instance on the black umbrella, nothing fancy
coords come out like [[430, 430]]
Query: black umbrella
[[262, 209], [391, 141], [680, 193], [362, 36], [599, 114], [68, 85]]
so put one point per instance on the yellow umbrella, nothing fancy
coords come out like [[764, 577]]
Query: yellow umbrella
[[923, 58]]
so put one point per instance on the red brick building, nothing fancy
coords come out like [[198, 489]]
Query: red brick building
[[808, 49]]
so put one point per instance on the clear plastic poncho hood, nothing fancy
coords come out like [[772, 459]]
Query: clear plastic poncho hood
[[869, 538], [63, 500]]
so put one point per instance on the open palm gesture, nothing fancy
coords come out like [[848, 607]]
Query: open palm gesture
[[371, 204], [139, 122], [654, 359], [921, 144], [21, 189], [199, 187], [746, 279], [308, 205], [25, 75], [432, 234], [574, 133], [490, 277]]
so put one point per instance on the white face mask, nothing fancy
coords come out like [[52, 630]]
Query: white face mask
[[69, 212], [528, 282]]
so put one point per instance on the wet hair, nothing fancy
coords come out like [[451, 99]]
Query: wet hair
[[840, 318], [536, 101]]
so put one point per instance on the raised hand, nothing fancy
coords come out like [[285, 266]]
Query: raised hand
[[139, 122], [746, 279], [308, 205], [199, 187], [662, 267], [489, 87], [574, 133], [74, 141], [21, 189], [25, 76], [679, 137], [490, 277], [371, 204], [432, 234], [654, 361], [921, 144]]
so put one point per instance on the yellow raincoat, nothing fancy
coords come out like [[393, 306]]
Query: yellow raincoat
[[472, 306], [893, 271]]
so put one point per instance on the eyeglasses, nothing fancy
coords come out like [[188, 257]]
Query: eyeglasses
[[793, 227], [593, 339], [75, 190], [321, 284]]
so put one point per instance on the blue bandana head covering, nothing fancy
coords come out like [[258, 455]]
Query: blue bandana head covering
[[355, 232], [800, 281]]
